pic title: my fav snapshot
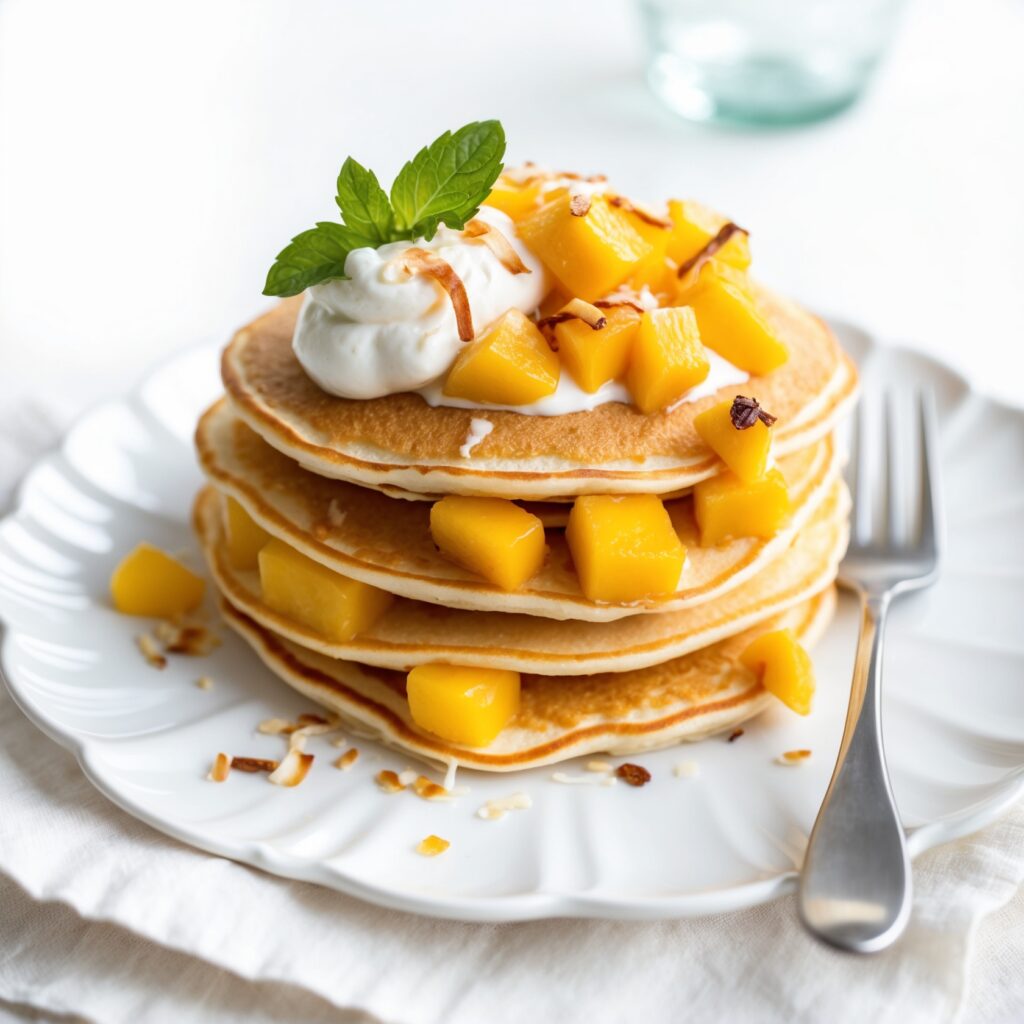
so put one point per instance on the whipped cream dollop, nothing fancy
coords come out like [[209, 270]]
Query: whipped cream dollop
[[382, 330]]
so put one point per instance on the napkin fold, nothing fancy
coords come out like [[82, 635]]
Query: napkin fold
[[106, 918]]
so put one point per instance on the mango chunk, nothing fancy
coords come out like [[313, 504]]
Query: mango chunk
[[595, 357], [694, 225], [312, 595], [490, 536], [726, 507], [730, 322], [244, 535], [745, 452], [148, 581], [464, 705], [515, 200], [588, 255], [654, 271], [624, 548], [509, 364], [784, 666], [668, 358]]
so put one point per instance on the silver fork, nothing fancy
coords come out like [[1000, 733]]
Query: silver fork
[[855, 886]]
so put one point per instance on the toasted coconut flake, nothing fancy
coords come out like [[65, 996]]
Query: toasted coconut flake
[[408, 776], [150, 651], [254, 764], [618, 304], [388, 781], [426, 789], [599, 766], [587, 312], [276, 727], [735, 735], [420, 261], [495, 810], [204, 683], [692, 266], [579, 204], [220, 769], [647, 216], [633, 774], [583, 780], [346, 760], [297, 740], [498, 244], [193, 640], [293, 769], [432, 846], [793, 757], [308, 718]]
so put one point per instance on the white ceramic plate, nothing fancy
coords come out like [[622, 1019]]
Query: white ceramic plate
[[731, 837]]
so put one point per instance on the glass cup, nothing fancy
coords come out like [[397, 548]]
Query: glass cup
[[764, 62]]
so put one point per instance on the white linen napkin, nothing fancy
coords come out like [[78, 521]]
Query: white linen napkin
[[106, 918]]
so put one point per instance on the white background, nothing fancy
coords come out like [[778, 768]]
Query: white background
[[155, 157]]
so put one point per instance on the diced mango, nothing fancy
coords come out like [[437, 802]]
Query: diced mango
[[784, 666], [694, 225], [595, 357], [311, 594], [515, 200], [589, 255], [148, 581], [726, 507], [490, 536], [509, 364], [654, 271], [244, 535], [624, 548], [745, 451], [730, 322], [464, 705], [668, 358]]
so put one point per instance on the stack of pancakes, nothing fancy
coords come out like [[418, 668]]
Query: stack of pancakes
[[350, 484]]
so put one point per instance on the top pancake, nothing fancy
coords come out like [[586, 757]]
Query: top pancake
[[400, 443]]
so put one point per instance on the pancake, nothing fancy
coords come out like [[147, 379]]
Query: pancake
[[687, 698], [414, 632], [404, 444], [386, 542]]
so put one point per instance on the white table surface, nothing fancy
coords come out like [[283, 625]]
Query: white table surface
[[154, 158]]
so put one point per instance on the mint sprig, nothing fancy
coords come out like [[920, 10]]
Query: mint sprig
[[445, 183]]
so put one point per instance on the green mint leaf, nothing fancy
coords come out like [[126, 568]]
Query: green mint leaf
[[364, 205], [447, 180], [314, 256]]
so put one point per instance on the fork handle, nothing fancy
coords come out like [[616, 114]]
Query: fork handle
[[855, 885]]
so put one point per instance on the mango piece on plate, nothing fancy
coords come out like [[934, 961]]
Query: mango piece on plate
[[465, 705], [730, 322], [624, 547], [694, 225], [515, 200], [668, 358], [309, 593], [150, 582], [589, 255], [744, 451], [595, 357], [509, 364], [492, 537], [726, 507], [784, 667], [244, 535]]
